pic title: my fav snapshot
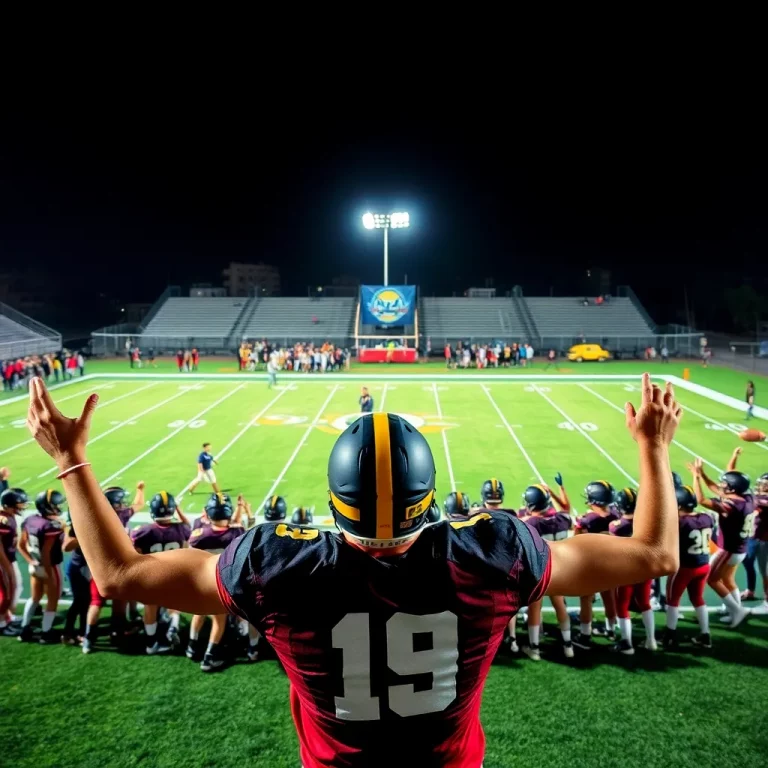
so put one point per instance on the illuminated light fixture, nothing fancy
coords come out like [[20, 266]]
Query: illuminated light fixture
[[386, 221]]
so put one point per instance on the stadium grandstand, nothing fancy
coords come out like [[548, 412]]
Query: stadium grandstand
[[217, 325], [20, 335]]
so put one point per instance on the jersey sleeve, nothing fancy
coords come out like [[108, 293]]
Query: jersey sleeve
[[137, 537], [265, 562], [509, 547], [53, 528], [194, 537], [5, 524], [185, 531]]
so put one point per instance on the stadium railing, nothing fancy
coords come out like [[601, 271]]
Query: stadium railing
[[46, 339]]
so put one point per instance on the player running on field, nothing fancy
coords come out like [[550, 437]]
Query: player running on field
[[602, 512], [551, 525], [161, 535], [626, 500], [734, 507], [13, 502], [205, 462], [388, 626], [214, 537], [695, 534], [40, 545]]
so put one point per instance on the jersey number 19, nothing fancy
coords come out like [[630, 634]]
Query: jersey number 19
[[352, 635]]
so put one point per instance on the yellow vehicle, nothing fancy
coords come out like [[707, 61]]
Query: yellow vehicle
[[582, 352]]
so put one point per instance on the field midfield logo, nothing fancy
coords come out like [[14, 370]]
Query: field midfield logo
[[334, 424], [388, 305]]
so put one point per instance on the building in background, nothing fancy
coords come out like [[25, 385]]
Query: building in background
[[206, 289], [246, 279]]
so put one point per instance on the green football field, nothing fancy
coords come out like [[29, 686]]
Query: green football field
[[58, 707]]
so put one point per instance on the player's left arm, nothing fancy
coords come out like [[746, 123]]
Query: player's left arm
[[732, 461], [560, 499], [182, 579], [183, 519], [138, 499], [710, 504], [24, 546]]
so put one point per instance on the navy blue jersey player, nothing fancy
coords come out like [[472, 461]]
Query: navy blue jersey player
[[387, 628]]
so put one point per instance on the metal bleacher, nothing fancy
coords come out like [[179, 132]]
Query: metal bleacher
[[21, 335], [286, 319], [470, 318]]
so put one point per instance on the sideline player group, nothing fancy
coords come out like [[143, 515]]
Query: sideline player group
[[715, 534]]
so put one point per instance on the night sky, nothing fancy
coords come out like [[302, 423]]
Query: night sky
[[124, 204]]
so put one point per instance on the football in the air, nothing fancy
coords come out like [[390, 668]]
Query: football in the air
[[752, 435]]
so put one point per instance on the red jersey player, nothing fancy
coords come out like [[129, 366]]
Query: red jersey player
[[374, 652]]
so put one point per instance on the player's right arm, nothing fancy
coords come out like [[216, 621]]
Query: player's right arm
[[181, 579], [584, 565], [732, 461], [24, 546]]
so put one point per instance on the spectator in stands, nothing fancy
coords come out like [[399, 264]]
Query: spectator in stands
[[664, 353], [81, 363]]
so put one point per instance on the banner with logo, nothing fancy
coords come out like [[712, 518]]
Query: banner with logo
[[387, 305]]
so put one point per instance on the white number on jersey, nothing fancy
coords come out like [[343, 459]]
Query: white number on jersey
[[33, 545], [748, 527], [700, 539], [170, 545], [353, 636]]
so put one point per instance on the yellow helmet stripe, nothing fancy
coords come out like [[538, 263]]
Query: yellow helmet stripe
[[221, 497], [605, 483], [351, 513], [494, 484], [541, 488], [273, 502], [48, 495], [459, 498], [384, 490], [164, 497]]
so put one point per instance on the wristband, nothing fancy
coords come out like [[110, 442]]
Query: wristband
[[65, 472]]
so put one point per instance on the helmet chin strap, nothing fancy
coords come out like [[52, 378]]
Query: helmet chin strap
[[374, 543]]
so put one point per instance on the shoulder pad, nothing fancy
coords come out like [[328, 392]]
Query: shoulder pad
[[196, 533]]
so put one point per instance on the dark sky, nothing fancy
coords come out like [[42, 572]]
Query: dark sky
[[126, 203]]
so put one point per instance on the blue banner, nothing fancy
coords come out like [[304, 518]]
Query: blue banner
[[388, 305]]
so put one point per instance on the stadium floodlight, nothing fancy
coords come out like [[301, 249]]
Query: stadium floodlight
[[386, 221]]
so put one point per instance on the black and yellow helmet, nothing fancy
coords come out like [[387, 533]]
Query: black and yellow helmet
[[275, 509], [686, 498], [456, 505], [537, 498], [381, 478], [626, 500], [162, 506], [492, 491], [50, 502], [302, 516]]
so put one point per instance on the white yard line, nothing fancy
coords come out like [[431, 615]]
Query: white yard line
[[80, 394], [674, 442], [445, 439], [383, 397], [51, 388], [513, 434], [171, 434], [296, 450], [237, 436], [587, 436], [122, 424], [719, 424]]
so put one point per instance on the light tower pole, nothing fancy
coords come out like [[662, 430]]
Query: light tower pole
[[386, 221]]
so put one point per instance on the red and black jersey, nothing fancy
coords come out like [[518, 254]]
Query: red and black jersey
[[386, 656]]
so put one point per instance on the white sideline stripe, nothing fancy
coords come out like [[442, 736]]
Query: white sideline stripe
[[674, 442], [296, 450], [238, 435], [170, 435], [719, 424], [445, 439], [80, 394], [712, 394], [383, 397], [587, 436], [123, 423], [514, 434], [52, 388]]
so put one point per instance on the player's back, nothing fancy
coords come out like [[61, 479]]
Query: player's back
[[695, 534], [39, 529], [735, 527], [371, 643], [159, 537]]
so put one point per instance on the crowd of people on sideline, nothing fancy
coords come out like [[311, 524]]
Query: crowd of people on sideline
[[54, 367], [302, 356], [495, 355]]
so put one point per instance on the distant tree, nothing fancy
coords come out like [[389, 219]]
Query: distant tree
[[747, 307]]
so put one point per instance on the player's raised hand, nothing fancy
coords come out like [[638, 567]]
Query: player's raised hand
[[62, 438], [658, 416]]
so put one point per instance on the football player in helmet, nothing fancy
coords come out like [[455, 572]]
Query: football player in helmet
[[13, 501], [626, 500], [275, 509], [302, 516], [734, 506], [751, 543], [552, 525], [117, 499], [215, 536], [457, 506], [163, 534], [492, 494], [79, 578], [602, 512], [40, 545], [344, 609], [695, 534]]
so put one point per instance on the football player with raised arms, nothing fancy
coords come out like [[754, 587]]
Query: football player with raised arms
[[552, 525], [374, 653], [734, 506]]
